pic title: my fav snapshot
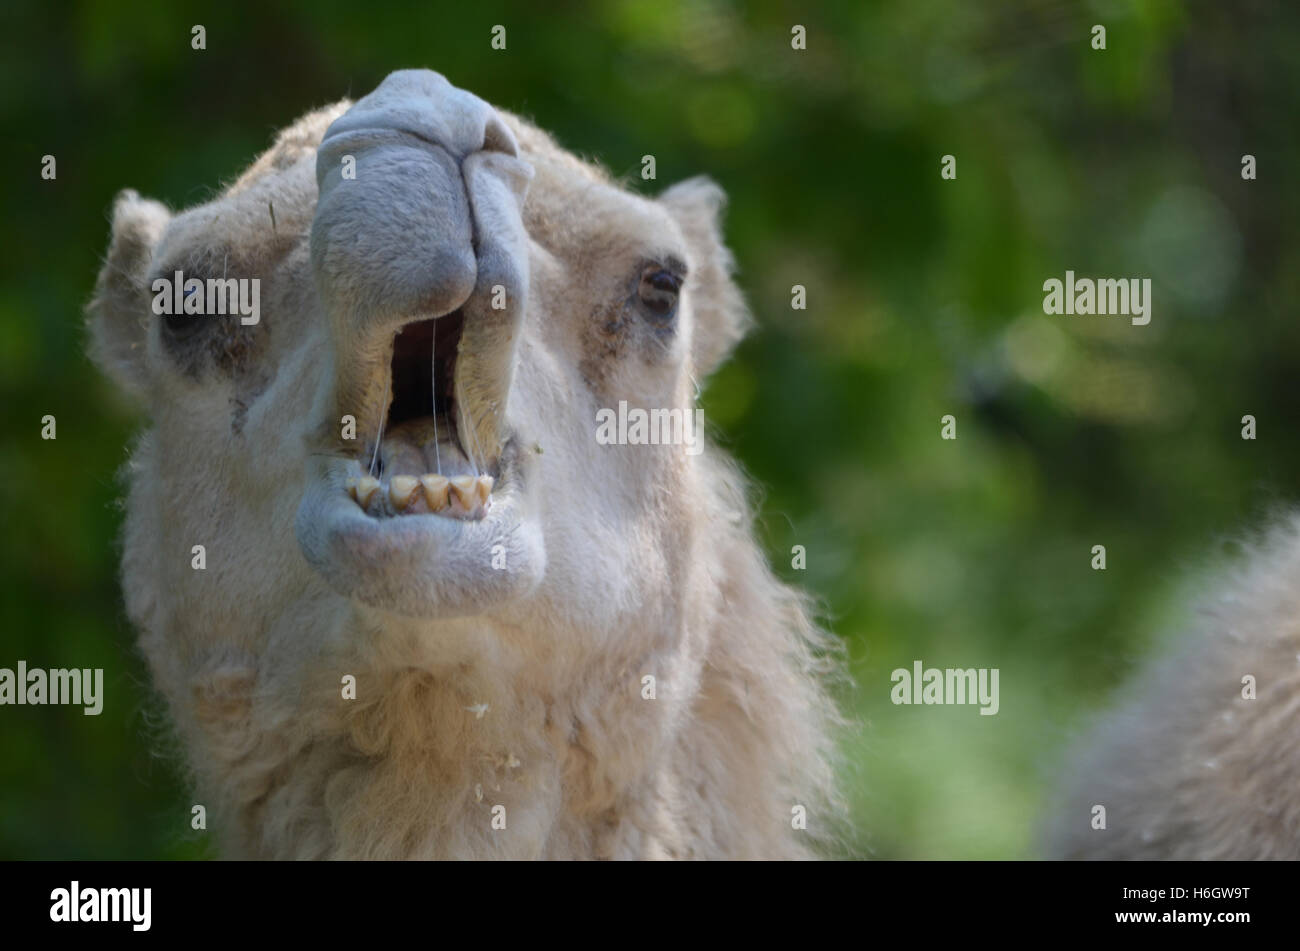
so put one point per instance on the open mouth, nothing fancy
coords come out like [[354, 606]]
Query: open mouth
[[429, 514], [425, 459]]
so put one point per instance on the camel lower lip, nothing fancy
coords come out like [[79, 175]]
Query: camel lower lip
[[423, 565]]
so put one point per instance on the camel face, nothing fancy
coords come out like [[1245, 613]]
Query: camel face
[[448, 302]]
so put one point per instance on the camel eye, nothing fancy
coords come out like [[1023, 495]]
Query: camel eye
[[182, 326], [658, 293]]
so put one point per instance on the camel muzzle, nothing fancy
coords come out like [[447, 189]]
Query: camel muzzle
[[419, 219], [421, 262]]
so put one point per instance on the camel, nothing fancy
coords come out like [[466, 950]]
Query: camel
[[399, 600], [1200, 758]]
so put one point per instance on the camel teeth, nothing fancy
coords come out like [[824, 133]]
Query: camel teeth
[[462, 496], [463, 487], [366, 487], [435, 491], [401, 488]]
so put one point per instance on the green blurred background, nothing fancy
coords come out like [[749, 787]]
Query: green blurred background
[[924, 299]]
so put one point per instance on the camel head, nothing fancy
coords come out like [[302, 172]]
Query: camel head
[[437, 333], [392, 461]]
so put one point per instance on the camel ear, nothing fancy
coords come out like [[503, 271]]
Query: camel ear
[[721, 317], [118, 312]]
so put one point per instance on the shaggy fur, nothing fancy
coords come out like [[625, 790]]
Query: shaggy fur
[[1186, 767], [644, 557]]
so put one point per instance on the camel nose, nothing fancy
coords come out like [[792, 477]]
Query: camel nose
[[393, 236], [424, 104]]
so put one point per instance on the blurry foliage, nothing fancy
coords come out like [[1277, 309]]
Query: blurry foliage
[[924, 299]]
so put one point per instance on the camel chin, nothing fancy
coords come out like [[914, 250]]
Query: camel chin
[[423, 545]]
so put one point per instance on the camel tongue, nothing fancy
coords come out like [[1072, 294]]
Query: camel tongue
[[416, 447]]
